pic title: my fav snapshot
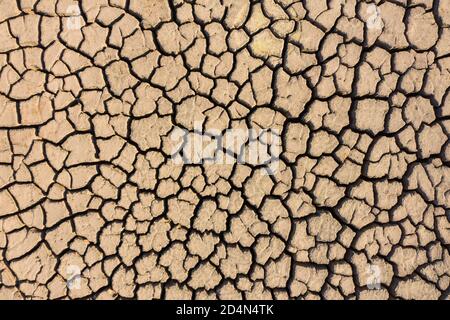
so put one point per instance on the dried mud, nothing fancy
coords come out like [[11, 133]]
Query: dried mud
[[92, 205]]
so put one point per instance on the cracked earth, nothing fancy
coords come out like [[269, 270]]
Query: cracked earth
[[92, 205]]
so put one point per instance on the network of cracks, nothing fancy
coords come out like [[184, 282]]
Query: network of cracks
[[93, 206]]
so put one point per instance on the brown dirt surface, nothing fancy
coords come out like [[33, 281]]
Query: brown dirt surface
[[94, 205]]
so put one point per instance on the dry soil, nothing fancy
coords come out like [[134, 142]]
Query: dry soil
[[92, 205]]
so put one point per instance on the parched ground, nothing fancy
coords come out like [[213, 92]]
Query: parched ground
[[92, 204]]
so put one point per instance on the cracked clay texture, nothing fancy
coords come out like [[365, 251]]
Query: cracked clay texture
[[93, 205]]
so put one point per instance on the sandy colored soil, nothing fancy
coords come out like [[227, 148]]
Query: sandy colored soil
[[93, 206]]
